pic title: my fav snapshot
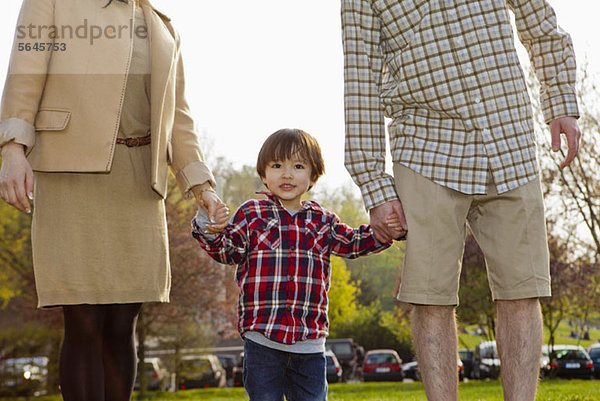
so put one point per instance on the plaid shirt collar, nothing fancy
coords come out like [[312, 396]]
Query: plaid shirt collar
[[306, 205]]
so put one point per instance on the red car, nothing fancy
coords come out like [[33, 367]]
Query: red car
[[382, 365]]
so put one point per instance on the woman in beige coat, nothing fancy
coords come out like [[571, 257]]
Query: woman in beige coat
[[93, 116]]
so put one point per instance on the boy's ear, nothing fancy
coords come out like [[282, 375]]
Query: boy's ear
[[264, 181]]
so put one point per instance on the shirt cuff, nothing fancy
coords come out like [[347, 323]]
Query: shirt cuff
[[202, 221], [378, 192], [18, 131], [560, 106]]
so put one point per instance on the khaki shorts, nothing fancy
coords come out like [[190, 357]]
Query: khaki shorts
[[509, 228]]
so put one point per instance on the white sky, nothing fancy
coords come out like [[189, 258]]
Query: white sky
[[253, 67]]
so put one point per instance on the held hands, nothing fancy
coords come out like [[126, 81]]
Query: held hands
[[569, 127], [388, 221], [16, 177], [395, 225], [218, 212], [220, 220]]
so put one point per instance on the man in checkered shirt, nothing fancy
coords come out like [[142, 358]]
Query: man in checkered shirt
[[447, 74]]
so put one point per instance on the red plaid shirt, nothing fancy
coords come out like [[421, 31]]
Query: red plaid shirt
[[283, 269]]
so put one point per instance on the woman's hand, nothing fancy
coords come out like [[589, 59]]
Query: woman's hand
[[218, 212], [16, 177]]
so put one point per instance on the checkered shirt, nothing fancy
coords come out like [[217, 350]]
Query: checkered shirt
[[447, 73], [283, 266]]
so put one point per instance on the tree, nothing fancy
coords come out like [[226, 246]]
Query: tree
[[16, 269], [343, 306], [555, 308], [373, 328], [572, 197], [573, 193], [584, 300], [235, 186]]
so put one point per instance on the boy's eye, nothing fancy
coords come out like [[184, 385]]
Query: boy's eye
[[299, 166], [276, 165]]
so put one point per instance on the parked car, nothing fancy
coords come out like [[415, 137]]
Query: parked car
[[157, 377], [411, 370], [238, 372], [344, 352], [334, 369], [382, 365], [467, 358], [201, 371], [567, 361], [228, 362], [486, 363], [594, 353], [23, 376]]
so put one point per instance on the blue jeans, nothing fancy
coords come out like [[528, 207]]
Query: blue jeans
[[269, 374]]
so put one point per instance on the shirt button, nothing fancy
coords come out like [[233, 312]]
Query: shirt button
[[290, 278], [289, 308], [468, 70], [477, 100], [293, 248]]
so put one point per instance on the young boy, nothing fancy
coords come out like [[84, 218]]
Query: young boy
[[282, 246]]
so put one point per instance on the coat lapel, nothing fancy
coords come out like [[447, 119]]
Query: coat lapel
[[162, 54]]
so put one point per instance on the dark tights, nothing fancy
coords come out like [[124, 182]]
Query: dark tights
[[98, 360]]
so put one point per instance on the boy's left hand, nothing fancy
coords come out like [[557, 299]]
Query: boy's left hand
[[394, 224]]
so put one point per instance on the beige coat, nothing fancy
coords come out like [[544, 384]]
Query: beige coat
[[64, 102]]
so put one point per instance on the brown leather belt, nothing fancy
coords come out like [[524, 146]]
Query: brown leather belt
[[132, 142]]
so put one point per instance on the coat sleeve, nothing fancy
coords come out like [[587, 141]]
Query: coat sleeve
[[27, 72], [187, 161]]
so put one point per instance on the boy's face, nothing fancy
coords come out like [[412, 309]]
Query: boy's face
[[288, 180]]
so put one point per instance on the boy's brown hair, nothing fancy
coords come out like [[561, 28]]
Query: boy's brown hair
[[287, 142]]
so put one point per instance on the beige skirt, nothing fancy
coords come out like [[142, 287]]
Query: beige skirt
[[101, 238]]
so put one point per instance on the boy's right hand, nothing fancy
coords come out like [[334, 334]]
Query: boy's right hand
[[220, 220]]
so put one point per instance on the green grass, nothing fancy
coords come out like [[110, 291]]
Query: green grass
[[555, 390]]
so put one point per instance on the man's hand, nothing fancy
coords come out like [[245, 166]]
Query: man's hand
[[381, 215], [16, 177], [569, 127]]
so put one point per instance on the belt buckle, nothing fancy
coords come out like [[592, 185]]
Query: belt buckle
[[132, 142]]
